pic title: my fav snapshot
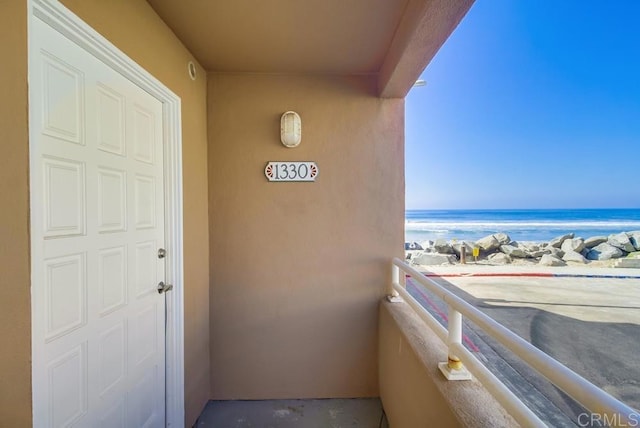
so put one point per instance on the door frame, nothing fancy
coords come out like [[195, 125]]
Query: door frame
[[66, 22]]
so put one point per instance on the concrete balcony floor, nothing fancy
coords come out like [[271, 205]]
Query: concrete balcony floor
[[326, 413]]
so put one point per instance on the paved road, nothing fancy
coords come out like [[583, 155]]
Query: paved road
[[592, 325]]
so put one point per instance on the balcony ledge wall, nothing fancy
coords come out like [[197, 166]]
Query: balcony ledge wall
[[413, 391]]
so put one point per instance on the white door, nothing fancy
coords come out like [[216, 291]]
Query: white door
[[97, 222]]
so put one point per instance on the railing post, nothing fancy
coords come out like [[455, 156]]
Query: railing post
[[453, 369], [392, 294]]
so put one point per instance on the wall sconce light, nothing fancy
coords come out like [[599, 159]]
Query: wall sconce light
[[290, 129], [191, 67]]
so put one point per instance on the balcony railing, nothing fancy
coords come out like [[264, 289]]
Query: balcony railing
[[592, 398]]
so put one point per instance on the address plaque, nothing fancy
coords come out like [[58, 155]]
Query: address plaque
[[291, 171]]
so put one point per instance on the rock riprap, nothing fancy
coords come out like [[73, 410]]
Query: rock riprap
[[498, 248]]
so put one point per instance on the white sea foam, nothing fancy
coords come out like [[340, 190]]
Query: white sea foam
[[508, 225], [520, 225]]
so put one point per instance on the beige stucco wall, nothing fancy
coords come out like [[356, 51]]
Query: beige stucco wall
[[297, 269], [15, 303], [407, 387], [414, 392], [133, 27]]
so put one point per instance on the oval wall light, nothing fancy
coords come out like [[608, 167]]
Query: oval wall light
[[290, 129], [191, 68]]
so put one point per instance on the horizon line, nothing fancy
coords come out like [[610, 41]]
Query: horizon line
[[520, 209]]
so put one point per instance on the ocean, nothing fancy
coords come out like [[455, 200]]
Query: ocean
[[538, 225]]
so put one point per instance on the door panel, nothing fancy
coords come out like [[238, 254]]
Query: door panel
[[97, 223]]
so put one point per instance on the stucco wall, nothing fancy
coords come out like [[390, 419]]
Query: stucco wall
[[297, 269], [414, 392], [15, 303], [135, 28], [407, 387]]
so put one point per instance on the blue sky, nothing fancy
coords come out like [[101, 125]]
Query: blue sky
[[530, 104]]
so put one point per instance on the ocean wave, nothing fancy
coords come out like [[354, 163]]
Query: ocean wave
[[439, 226]]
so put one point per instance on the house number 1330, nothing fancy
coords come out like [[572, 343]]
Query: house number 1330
[[291, 171]]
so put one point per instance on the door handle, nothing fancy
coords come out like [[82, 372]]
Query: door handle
[[163, 288]]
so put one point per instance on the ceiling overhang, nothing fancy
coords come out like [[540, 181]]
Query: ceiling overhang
[[391, 39], [424, 28]]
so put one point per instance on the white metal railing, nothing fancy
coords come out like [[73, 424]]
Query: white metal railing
[[594, 399]]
